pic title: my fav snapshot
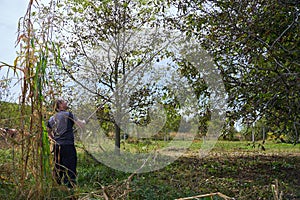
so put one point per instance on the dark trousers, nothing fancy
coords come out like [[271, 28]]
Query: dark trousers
[[65, 159]]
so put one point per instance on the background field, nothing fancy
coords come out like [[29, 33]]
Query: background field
[[240, 169]]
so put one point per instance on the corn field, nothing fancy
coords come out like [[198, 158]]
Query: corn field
[[30, 150]]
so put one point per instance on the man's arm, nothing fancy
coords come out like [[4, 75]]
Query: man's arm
[[78, 122]]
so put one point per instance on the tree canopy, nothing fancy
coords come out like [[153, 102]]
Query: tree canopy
[[256, 47]]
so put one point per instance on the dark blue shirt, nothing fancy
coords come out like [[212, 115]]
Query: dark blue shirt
[[61, 125]]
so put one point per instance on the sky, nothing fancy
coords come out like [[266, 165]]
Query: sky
[[11, 12]]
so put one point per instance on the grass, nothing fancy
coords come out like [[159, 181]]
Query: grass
[[236, 169], [242, 146]]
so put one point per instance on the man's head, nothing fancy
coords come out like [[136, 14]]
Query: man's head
[[61, 104]]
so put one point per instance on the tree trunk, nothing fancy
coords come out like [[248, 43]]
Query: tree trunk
[[117, 139]]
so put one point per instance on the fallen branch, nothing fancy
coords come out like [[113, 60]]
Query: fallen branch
[[207, 195]]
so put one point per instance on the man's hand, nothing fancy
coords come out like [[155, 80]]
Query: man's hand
[[80, 123], [50, 135]]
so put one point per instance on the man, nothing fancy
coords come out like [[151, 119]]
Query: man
[[60, 131]]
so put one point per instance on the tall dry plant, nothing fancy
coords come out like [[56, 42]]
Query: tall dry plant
[[31, 160]]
